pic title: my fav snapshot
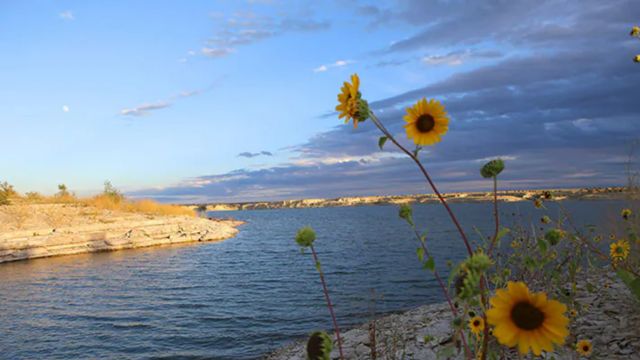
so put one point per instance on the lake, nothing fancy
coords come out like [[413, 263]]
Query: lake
[[243, 297]]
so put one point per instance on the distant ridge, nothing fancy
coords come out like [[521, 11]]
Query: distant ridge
[[503, 196]]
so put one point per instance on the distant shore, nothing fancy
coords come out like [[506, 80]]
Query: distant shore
[[44, 230], [600, 193]]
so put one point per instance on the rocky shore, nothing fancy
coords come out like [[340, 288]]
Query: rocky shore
[[74, 230], [503, 196], [611, 322]]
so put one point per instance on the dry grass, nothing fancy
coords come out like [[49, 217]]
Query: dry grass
[[148, 207], [99, 202]]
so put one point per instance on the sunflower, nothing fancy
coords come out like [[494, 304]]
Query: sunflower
[[573, 313], [625, 213], [527, 319], [476, 324], [619, 250], [635, 31], [349, 101], [584, 347], [612, 236], [426, 122]]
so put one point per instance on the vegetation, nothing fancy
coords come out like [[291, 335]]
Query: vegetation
[[516, 289], [111, 199]]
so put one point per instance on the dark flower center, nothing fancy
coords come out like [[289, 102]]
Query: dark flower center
[[476, 323], [425, 123], [527, 316], [315, 348], [585, 348]]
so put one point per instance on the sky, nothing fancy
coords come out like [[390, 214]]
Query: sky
[[225, 101]]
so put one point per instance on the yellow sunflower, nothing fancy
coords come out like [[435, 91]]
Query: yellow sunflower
[[625, 213], [527, 319], [476, 324], [584, 347], [635, 31], [619, 250], [426, 122], [349, 101]]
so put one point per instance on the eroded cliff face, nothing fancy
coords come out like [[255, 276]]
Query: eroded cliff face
[[104, 232]]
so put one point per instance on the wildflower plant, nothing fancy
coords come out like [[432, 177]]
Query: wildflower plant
[[521, 295]]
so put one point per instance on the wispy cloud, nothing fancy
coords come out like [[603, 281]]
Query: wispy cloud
[[146, 108], [216, 52], [459, 57], [249, 155], [246, 27], [66, 15], [337, 64]]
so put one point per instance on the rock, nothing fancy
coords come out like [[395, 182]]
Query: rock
[[129, 232]]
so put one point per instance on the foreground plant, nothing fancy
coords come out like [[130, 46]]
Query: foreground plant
[[305, 238], [488, 292]]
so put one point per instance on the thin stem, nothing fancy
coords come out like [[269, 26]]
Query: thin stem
[[483, 281], [329, 305], [386, 132], [495, 215], [454, 311]]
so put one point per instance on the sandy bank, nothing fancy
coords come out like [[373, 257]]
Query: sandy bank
[[36, 231]]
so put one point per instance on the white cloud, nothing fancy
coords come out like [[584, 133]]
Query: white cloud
[[337, 64], [320, 68], [65, 108], [216, 52], [145, 109], [66, 15]]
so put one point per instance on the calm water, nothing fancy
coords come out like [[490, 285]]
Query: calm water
[[239, 298]]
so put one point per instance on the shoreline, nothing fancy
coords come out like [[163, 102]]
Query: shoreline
[[611, 323], [111, 232], [601, 193]]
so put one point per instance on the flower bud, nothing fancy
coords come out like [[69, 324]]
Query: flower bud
[[319, 346], [492, 168], [305, 236]]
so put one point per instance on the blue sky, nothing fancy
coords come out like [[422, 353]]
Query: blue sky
[[233, 100]]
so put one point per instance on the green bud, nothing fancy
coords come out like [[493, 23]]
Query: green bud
[[319, 346], [545, 219], [363, 110], [554, 236], [492, 168], [406, 213], [305, 236]]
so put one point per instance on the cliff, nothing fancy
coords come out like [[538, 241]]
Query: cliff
[[25, 235]]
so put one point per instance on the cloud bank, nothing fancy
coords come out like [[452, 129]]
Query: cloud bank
[[557, 101]]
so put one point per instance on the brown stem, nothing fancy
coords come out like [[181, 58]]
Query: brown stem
[[329, 305], [495, 215], [380, 126], [454, 311]]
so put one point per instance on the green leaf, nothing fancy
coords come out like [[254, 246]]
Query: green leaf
[[420, 252], [542, 245], [381, 141], [632, 281], [504, 231], [430, 264]]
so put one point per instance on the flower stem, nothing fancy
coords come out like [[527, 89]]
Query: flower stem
[[444, 291], [329, 305], [386, 132], [495, 215]]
